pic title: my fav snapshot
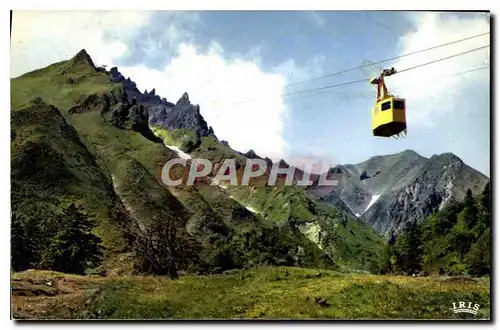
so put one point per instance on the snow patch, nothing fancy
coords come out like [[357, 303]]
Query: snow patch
[[372, 201], [250, 209], [357, 215], [350, 209], [179, 152]]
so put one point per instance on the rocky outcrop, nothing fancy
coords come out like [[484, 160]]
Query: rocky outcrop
[[163, 113], [182, 115], [250, 154], [131, 116], [388, 191], [81, 62]]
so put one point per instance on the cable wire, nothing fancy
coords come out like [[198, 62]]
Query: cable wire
[[365, 79], [370, 95], [386, 60], [444, 58]]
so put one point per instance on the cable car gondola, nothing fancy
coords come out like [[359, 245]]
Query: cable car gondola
[[389, 112]]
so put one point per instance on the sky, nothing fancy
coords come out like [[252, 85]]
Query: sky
[[239, 65]]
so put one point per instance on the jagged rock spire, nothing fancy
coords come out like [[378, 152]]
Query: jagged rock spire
[[83, 58]]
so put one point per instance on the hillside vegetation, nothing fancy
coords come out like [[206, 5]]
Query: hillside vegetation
[[79, 141], [260, 293], [349, 242], [454, 241], [95, 233]]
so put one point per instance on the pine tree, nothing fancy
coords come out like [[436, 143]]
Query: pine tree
[[479, 258], [386, 264], [27, 238], [409, 250], [484, 206], [461, 237], [19, 255], [74, 247], [470, 210]]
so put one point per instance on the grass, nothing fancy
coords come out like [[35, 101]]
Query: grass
[[259, 293], [351, 243], [88, 161], [126, 160], [173, 137]]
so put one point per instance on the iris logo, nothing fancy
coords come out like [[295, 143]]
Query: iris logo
[[463, 307]]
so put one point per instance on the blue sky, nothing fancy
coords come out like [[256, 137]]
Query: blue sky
[[224, 58]]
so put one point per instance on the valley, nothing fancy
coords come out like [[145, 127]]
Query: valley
[[87, 153]]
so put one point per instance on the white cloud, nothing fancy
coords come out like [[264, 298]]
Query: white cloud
[[222, 88], [429, 95], [219, 82], [40, 38]]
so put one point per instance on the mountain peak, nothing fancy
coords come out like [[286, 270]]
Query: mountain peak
[[251, 154], [283, 164], [82, 60], [184, 100], [448, 157], [409, 152]]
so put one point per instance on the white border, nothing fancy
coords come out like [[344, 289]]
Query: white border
[[192, 5], [253, 5]]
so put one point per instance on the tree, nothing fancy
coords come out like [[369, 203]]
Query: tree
[[74, 247], [470, 210], [461, 236], [479, 257], [484, 206], [409, 249], [386, 261], [163, 246], [19, 253], [28, 235], [442, 222]]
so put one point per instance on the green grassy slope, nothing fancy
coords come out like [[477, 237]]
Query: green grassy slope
[[349, 242], [260, 293], [51, 168], [120, 182], [66, 85]]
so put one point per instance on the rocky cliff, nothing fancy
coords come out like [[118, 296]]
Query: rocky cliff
[[163, 113], [388, 191]]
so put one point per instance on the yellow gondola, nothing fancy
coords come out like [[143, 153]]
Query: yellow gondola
[[389, 113]]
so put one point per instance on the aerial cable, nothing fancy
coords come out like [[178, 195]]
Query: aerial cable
[[444, 58], [360, 95], [365, 79], [386, 60]]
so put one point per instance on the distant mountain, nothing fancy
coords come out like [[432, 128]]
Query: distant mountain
[[388, 191]]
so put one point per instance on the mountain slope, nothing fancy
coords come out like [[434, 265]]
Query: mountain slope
[[339, 235], [116, 175], [389, 191], [180, 126]]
